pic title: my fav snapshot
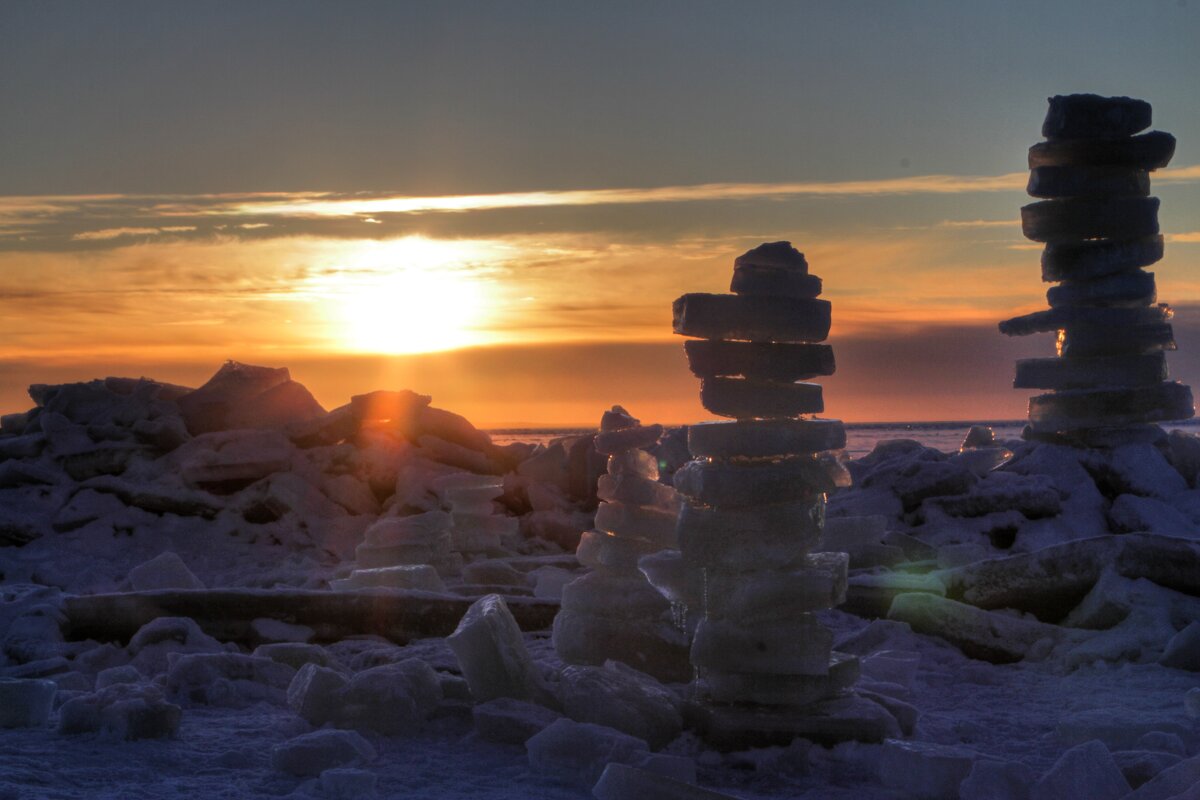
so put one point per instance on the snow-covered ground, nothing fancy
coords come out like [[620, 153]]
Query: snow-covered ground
[[1073, 574]]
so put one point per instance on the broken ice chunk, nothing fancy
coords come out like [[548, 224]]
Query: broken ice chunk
[[421, 577], [164, 571], [765, 438], [492, 654]]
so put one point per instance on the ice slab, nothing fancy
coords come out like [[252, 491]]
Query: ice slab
[[644, 522], [799, 645], [1090, 116], [636, 490], [623, 782], [508, 721], [739, 539], [1082, 181], [782, 690], [754, 483], [828, 722], [1078, 219], [408, 576], [925, 769], [313, 753], [122, 711], [579, 751], [753, 398], [618, 553], [623, 698], [997, 780], [1124, 289], [1095, 259], [1087, 770], [765, 438], [988, 636], [1093, 408], [818, 582], [631, 438], [492, 654], [1148, 151], [757, 319], [775, 361], [1073, 373], [654, 646]]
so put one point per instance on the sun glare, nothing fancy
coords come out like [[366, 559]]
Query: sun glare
[[411, 295]]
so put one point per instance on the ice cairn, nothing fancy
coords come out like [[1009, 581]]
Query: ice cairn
[[1100, 228], [417, 551], [754, 509], [613, 612]]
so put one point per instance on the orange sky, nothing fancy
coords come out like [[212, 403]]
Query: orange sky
[[547, 314]]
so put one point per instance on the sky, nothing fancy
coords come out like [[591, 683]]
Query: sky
[[496, 203]]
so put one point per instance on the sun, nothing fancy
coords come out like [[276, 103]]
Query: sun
[[410, 295]]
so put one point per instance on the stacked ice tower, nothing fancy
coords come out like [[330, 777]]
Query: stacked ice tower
[[613, 612], [755, 491], [1100, 228]]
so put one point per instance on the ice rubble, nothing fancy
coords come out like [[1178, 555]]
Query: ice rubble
[[343, 550]]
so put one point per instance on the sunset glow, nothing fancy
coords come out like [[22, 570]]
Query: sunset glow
[[405, 296], [505, 228]]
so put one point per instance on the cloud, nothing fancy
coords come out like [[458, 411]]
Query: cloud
[[116, 233], [56, 222], [1191, 237]]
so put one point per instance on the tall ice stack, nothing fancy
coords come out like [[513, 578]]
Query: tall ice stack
[[613, 612], [1100, 228], [755, 507]]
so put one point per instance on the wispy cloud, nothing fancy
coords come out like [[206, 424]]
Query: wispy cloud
[[117, 233], [1191, 237], [980, 223], [107, 220]]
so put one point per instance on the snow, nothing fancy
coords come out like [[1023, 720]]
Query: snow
[[104, 490]]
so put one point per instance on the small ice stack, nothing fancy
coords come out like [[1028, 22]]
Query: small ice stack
[[477, 530], [404, 542], [755, 504], [613, 612], [1100, 228]]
